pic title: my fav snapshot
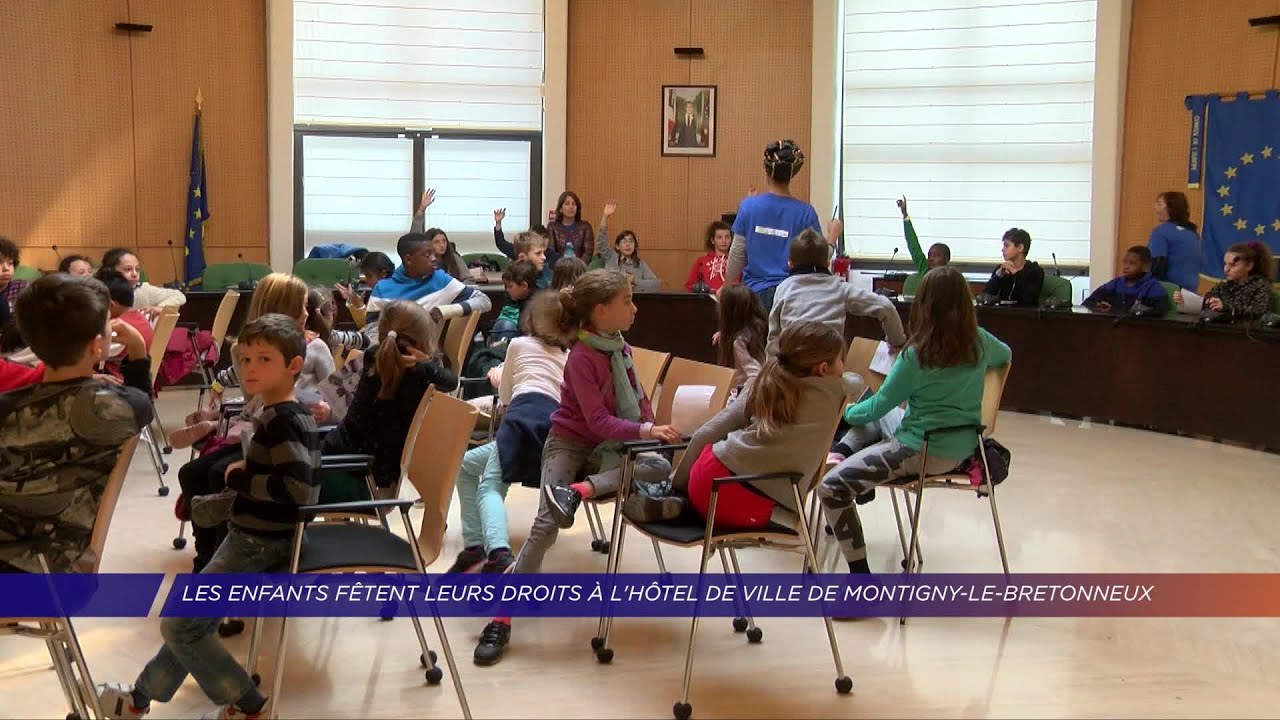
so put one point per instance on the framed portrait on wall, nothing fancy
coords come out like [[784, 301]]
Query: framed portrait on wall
[[689, 120]]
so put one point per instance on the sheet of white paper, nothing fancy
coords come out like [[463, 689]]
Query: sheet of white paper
[[1192, 303], [691, 407], [861, 280], [882, 361]]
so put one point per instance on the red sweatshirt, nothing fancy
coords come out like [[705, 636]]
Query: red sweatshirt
[[15, 375], [710, 269]]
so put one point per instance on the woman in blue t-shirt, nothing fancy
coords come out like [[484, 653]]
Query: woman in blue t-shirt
[[766, 223], [1174, 245]]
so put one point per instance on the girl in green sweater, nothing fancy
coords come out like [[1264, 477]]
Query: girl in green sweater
[[940, 374]]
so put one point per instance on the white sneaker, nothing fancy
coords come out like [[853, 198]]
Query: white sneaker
[[231, 712], [116, 701]]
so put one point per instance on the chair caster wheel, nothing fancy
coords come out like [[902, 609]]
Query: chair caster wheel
[[739, 624], [595, 545], [231, 628], [597, 643], [827, 529], [604, 547], [387, 613], [73, 716], [256, 678], [682, 711], [179, 543], [604, 655], [434, 676], [755, 635], [164, 491], [844, 685], [167, 450], [422, 659]]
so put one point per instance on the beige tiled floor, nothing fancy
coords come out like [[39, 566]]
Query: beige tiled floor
[[1080, 498]]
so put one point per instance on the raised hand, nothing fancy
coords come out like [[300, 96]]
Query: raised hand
[[428, 197], [751, 190], [498, 216], [902, 206], [833, 230], [610, 208]]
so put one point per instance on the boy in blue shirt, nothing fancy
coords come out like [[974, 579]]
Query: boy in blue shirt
[[767, 222], [1135, 284]]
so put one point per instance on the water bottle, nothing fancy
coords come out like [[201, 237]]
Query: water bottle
[[568, 250]]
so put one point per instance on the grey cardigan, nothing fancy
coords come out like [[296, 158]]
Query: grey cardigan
[[645, 278], [797, 447], [825, 298]]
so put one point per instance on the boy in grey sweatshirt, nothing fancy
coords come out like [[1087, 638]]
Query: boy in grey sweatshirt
[[813, 294]]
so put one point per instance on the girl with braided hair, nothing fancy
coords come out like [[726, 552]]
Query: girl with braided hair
[[766, 222]]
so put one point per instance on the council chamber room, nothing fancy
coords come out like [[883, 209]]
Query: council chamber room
[[324, 320]]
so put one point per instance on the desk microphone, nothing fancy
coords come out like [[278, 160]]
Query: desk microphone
[[1056, 270], [56, 253], [891, 258], [176, 284], [248, 283]]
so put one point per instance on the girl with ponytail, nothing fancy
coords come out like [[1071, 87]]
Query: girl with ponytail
[[602, 405], [397, 371], [781, 423]]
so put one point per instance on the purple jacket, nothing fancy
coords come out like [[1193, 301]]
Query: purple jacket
[[587, 401]]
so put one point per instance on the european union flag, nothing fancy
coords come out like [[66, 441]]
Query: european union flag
[[1242, 176], [197, 211]]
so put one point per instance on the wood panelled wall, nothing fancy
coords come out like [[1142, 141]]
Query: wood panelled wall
[[1179, 48], [757, 52], [96, 126]]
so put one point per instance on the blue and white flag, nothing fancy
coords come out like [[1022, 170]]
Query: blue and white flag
[[1242, 176]]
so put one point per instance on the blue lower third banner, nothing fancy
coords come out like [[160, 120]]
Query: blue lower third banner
[[652, 595]]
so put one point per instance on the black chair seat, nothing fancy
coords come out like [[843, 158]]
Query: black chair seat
[[690, 532], [334, 545], [480, 436]]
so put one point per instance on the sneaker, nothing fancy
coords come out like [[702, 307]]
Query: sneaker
[[498, 562], [212, 510], [563, 502], [641, 508], [231, 712], [493, 643], [866, 497], [467, 561], [116, 701], [183, 438]]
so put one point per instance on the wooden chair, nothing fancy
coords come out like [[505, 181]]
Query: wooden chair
[[649, 367], [678, 373], [431, 462], [858, 360], [722, 541], [457, 340], [159, 445], [913, 560], [59, 633], [221, 324]]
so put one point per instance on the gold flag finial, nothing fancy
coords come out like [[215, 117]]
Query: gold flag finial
[[199, 99]]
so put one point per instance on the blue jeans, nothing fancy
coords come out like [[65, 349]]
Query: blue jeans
[[481, 493], [766, 298], [190, 645]]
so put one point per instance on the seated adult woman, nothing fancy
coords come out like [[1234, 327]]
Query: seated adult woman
[[146, 297]]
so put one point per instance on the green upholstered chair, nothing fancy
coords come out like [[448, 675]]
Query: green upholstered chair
[[324, 271], [1056, 287], [1170, 289], [220, 276], [26, 272], [912, 284]]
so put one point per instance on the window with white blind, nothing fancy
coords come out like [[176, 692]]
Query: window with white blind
[[395, 96], [980, 112], [418, 63]]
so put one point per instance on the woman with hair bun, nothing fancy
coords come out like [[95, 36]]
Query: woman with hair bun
[[767, 221]]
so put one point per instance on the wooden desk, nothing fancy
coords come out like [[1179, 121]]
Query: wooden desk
[[1164, 375]]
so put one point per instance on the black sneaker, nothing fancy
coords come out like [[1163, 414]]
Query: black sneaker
[[563, 502], [493, 643], [467, 560], [498, 562]]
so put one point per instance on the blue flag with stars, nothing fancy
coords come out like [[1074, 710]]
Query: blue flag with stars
[[197, 211], [1242, 176]]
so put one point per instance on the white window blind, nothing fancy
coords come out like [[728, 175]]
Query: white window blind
[[980, 112], [472, 178], [419, 63], [356, 190]]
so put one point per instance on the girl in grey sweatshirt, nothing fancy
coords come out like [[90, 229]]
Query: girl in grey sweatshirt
[[784, 423]]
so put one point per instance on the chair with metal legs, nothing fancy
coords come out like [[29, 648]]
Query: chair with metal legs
[[722, 541], [59, 634], [912, 559]]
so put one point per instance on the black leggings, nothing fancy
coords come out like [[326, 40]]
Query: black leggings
[[205, 476]]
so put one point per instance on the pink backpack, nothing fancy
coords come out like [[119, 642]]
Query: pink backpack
[[180, 359]]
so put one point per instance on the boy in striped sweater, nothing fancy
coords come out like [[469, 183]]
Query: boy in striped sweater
[[275, 478]]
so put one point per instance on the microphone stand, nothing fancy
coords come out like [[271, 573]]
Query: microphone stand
[[177, 284]]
